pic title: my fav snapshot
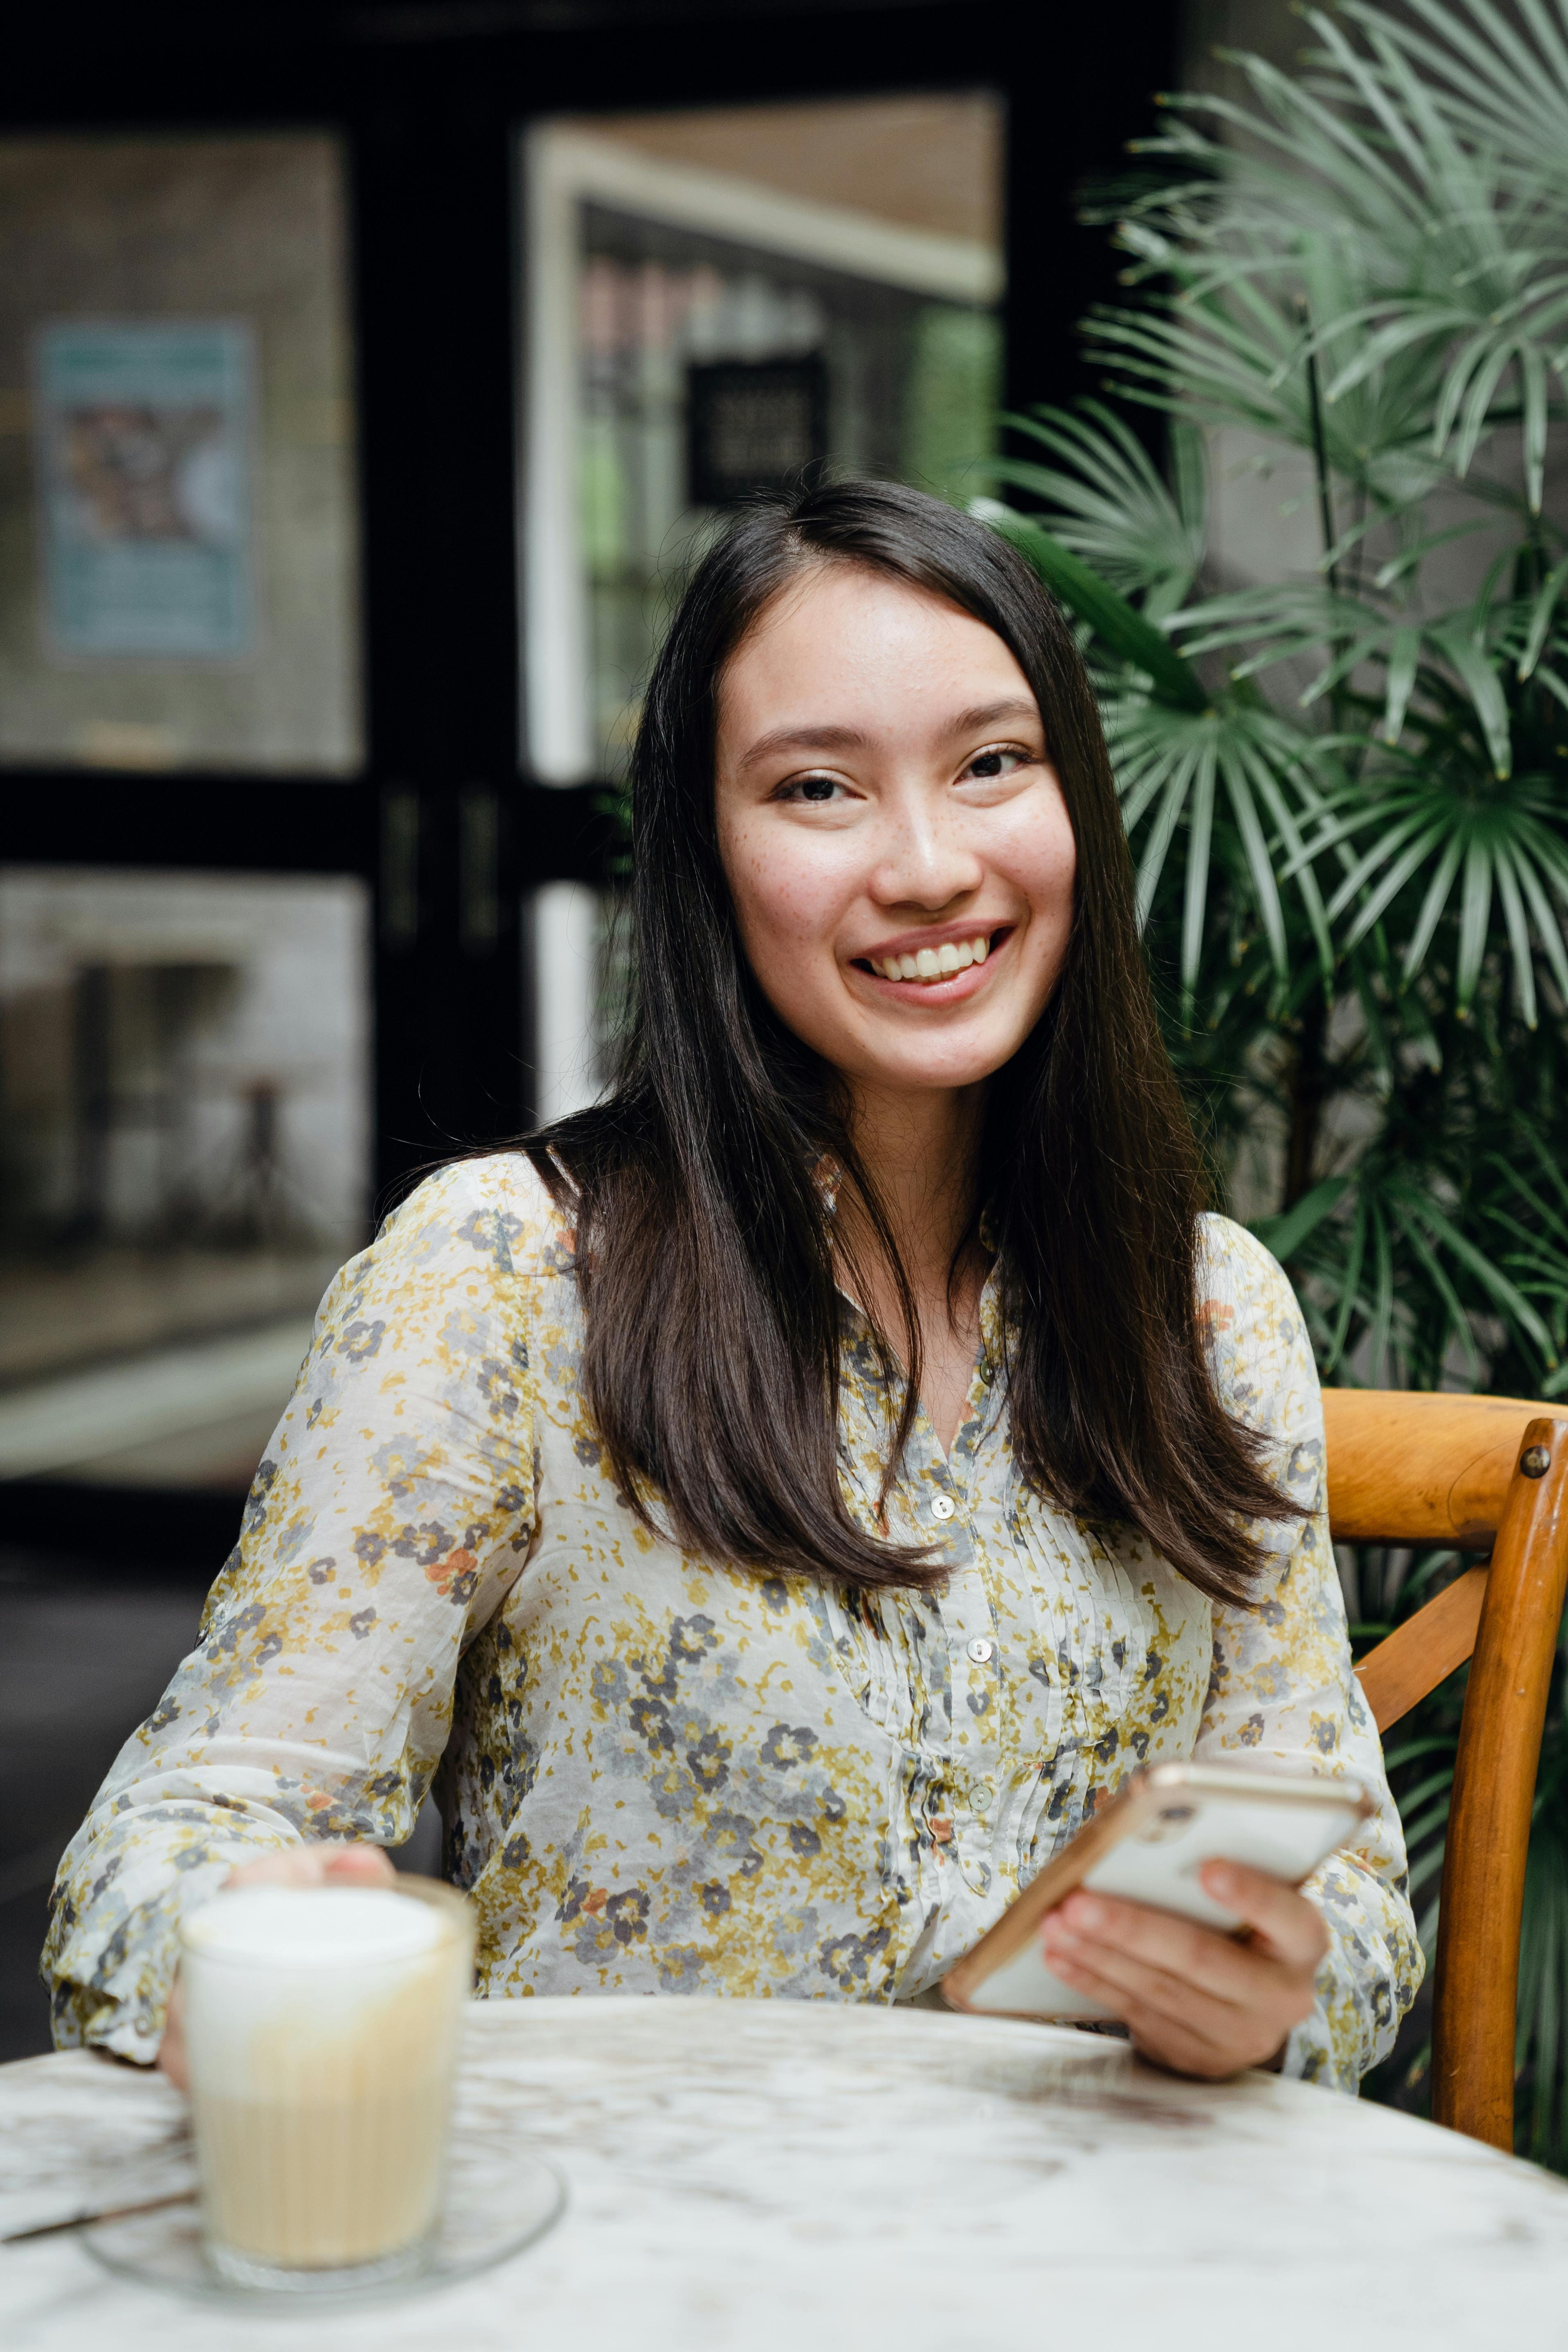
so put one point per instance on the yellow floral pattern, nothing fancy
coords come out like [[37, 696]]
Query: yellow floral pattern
[[658, 1774]]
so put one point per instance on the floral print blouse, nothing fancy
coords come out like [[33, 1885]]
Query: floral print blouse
[[661, 1774]]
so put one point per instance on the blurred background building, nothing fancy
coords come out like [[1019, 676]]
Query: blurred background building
[[369, 372]]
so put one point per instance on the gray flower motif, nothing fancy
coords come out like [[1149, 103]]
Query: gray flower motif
[[786, 1749], [627, 1915], [847, 1959], [708, 1760]]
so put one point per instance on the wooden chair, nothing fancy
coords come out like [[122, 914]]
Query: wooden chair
[[1487, 1474]]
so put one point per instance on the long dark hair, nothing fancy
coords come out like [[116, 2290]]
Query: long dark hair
[[705, 1245]]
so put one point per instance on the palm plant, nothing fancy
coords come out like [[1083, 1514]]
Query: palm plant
[[1346, 786]]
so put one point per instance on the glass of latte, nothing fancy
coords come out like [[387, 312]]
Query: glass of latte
[[322, 2024]]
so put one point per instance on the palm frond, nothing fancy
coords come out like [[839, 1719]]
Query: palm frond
[[1110, 504]]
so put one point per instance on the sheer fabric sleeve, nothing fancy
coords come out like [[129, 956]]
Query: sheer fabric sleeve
[[392, 1513], [1281, 1690]]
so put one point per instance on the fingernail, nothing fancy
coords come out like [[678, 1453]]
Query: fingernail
[[1088, 1913]]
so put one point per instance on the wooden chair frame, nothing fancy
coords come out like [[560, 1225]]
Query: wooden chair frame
[[1474, 1472]]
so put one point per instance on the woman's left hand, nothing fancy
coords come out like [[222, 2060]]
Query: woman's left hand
[[1193, 1998]]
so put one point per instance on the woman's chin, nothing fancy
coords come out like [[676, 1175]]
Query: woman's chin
[[927, 1065]]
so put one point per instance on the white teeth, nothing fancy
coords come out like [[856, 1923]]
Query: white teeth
[[935, 963]]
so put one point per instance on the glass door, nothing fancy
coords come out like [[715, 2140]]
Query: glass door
[[185, 1053]]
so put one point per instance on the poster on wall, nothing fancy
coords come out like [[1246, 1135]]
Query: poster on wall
[[142, 442], [752, 424]]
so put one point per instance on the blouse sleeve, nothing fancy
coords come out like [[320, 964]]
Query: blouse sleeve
[[1281, 1690], [390, 1517]]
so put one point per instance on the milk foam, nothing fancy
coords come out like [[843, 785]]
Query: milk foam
[[314, 1927]]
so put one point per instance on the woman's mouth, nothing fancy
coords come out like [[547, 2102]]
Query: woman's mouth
[[929, 967]]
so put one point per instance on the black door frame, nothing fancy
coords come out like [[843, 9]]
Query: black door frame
[[445, 825]]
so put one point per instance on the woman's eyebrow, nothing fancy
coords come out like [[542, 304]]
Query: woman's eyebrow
[[826, 738], [802, 738], [991, 714]]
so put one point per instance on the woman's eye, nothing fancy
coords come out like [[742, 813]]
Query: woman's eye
[[1003, 759], [808, 788]]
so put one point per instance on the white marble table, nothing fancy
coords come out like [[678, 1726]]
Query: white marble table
[[751, 2176]]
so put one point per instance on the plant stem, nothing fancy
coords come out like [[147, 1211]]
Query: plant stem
[[1320, 454], [1308, 1091]]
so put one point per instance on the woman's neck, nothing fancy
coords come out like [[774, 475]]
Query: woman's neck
[[920, 1153]]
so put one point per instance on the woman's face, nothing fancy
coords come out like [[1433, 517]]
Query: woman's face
[[893, 834]]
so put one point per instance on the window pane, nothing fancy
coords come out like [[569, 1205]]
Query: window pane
[[184, 1162], [716, 302], [178, 555]]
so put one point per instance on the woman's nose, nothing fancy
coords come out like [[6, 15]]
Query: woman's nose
[[923, 862]]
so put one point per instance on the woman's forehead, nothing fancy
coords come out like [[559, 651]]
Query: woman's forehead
[[859, 637]]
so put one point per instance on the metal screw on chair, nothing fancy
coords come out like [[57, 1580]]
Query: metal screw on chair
[[1535, 1460]]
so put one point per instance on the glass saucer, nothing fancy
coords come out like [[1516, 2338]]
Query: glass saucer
[[501, 2199]]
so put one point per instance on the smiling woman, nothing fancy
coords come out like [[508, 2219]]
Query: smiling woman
[[870, 735], [902, 883], [782, 1500]]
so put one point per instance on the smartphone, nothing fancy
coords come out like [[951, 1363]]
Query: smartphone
[[1148, 1844]]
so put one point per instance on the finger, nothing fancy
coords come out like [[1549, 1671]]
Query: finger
[[1254, 1999], [171, 2056], [362, 1861], [1278, 1915], [1212, 2039], [1123, 1982], [312, 1865], [1217, 1963]]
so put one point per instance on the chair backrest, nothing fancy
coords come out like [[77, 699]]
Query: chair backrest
[[1483, 1474]]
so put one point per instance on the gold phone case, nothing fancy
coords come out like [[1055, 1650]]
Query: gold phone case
[[1142, 1799]]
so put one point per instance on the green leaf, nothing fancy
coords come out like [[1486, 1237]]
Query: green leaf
[[1284, 1235], [1403, 653], [1118, 626], [1195, 896], [1474, 909], [1540, 614], [1518, 934], [1433, 905], [1482, 685]]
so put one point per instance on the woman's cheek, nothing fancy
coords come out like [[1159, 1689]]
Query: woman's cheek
[[1048, 884], [792, 896]]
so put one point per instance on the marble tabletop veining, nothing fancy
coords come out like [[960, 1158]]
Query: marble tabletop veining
[[748, 2177]]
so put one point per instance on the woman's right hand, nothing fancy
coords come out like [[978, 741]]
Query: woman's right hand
[[317, 1864]]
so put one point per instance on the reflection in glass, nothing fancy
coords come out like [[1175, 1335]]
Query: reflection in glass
[[178, 555], [909, 388], [183, 1141]]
